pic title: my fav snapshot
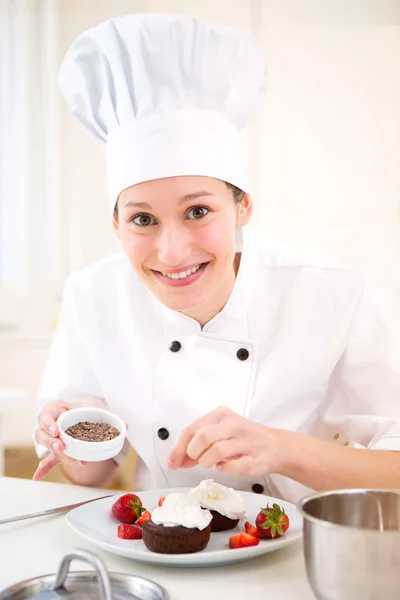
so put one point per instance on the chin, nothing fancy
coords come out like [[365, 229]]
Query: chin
[[180, 304]]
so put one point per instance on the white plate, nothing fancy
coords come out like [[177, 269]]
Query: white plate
[[95, 522]]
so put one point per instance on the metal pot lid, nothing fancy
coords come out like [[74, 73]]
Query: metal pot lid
[[85, 585]]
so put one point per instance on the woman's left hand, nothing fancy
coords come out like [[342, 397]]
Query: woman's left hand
[[230, 442]]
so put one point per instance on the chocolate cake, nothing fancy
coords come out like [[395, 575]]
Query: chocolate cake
[[225, 504], [221, 523], [174, 540]]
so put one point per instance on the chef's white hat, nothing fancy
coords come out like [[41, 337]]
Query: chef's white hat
[[168, 95]]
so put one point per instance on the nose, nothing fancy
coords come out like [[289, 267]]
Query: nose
[[174, 246]]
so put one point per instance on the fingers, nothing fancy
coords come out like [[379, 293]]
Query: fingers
[[220, 452], [48, 416], [207, 436], [187, 463], [51, 462], [179, 451], [45, 466], [47, 433], [242, 465], [53, 444]]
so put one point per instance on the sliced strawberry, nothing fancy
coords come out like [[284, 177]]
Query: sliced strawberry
[[146, 516], [161, 500], [129, 532], [234, 541], [251, 530], [243, 540], [247, 540]]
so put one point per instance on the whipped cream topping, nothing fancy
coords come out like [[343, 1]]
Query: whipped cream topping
[[220, 498], [181, 509]]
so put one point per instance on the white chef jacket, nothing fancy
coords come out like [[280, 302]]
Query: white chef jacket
[[317, 355]]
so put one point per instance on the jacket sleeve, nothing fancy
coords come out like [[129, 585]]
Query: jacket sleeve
[[363, 397], [69, 374]]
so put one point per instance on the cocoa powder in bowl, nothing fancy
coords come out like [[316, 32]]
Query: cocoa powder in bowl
[[92, 432]]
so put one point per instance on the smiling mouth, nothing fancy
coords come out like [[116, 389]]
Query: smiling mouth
[[182, 274]]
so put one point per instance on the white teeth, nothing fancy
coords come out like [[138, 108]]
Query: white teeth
[[182, 274]]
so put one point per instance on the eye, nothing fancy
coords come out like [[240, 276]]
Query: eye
[[143, 220], [197, 212]]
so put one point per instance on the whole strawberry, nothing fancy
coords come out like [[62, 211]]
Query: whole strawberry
[[272, 522], [128, 508]]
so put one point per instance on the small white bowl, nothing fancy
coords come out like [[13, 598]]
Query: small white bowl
[[91, 451]]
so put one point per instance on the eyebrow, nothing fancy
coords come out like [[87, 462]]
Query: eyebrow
[[187, 198]]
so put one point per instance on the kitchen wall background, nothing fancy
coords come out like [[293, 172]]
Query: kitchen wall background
[[323, 158]]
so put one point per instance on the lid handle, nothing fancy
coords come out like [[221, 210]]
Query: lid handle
[[97, 564]]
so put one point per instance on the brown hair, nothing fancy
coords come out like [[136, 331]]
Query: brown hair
[[237, 194]]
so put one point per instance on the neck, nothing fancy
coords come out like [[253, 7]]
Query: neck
[[204, 314]]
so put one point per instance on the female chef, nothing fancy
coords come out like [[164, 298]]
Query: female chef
[[227, 359]]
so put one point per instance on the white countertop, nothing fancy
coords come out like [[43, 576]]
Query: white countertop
[[35, 547]]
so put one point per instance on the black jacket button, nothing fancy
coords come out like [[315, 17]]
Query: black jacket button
[[163, 433], [257, 488], [242, 354], [175, 346]]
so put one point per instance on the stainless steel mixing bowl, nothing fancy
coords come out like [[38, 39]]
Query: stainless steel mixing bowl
[[352, 544]]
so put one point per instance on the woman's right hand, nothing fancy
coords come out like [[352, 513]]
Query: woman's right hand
[[47, 434]]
